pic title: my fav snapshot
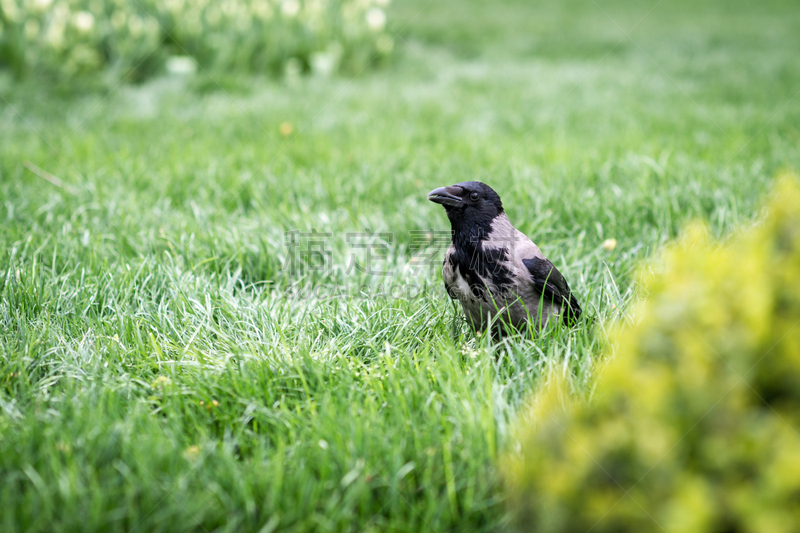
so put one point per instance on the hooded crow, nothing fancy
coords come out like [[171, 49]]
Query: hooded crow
[[493, 269]]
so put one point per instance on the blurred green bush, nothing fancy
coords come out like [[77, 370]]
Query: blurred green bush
[[694, 424], [134, 39]]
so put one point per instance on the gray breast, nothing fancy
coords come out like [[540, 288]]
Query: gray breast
[[517, 302]]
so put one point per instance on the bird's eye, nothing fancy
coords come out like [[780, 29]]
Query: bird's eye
[[474, 196]]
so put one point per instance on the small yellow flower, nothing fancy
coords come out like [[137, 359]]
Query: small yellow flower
[[286, 129], [192, 452], [63, 447], [160, 382], [610, 244], [210, 405]]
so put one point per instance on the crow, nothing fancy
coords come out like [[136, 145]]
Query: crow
[[499, 275]]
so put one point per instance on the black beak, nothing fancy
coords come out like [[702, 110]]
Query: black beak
[[443, 196]]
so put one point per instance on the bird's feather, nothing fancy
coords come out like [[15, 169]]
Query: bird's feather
[[493, 269], [549, 282]]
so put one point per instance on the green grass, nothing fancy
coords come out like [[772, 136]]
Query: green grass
[[155, 377]]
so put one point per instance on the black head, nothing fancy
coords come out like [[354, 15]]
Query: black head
[[470, 203]]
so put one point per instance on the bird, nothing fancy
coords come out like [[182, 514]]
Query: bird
[[500, 277]]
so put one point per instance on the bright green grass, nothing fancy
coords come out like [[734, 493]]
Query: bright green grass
[[130, 307]]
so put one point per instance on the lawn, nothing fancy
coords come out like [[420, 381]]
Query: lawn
[[168, 364]]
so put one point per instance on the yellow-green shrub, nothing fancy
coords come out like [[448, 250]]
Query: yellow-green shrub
[[68, 38], [695, 424]]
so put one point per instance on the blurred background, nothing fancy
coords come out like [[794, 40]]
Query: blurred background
[[601, 119]]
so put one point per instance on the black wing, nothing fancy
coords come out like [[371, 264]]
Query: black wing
[[549, 281]]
